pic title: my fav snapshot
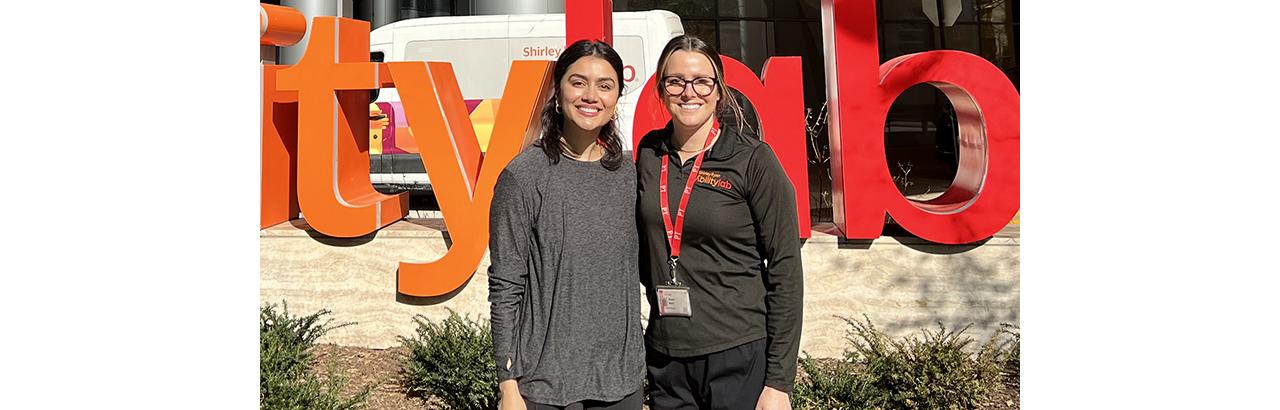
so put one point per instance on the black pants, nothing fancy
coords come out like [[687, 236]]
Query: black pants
[[726, 380], [633, 401]]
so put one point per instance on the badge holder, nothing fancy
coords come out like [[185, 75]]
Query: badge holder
[[673, 297]]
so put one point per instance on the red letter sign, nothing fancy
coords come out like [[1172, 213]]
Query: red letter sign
[[779, 103], [588, 20], [984, 196]]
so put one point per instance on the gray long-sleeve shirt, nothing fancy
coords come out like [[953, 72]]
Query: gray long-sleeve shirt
[[564, 286]]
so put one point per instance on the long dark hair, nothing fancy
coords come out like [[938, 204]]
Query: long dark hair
[[553, 119], [727, 107]]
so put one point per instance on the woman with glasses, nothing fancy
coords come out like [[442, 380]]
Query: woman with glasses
[[563, 286], [720, 250]]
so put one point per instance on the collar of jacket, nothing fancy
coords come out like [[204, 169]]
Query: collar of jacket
[[723, 148]]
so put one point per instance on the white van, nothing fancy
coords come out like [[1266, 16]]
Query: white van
[[481, 49]]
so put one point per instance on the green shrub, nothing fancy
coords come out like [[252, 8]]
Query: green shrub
[[828, 384], [453, 362], [1011, 357], [287, 381], [930, 371]]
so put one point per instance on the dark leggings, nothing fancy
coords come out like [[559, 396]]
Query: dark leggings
[[726, 380]]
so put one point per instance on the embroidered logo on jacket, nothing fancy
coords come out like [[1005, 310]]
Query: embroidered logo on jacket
[[714, 179]]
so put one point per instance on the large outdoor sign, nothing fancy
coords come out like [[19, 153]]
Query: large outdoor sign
[[984, 195], [315, 145]]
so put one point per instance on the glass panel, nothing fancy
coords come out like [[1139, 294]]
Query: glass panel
[[1013, 72], [906, 38], [963, 37], [920, 143], [807, 9], [1017, 42], [993, 11], [913, 10], [705, 30], [631, 5], [746, 41], [745, 8], [804, 40], [997, 46], [968, 12], [902, 10], [686, 9]]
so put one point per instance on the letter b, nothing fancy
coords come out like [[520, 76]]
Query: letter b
[[982, 199]]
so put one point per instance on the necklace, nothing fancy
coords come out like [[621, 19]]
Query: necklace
[[704, 148], [568, 151]]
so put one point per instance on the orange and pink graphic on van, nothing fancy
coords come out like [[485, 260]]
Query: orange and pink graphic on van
[[397, 138]]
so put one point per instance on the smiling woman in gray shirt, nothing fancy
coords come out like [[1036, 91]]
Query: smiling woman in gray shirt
[[564, 278]]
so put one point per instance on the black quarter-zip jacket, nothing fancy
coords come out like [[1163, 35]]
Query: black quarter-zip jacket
[[740, 252]]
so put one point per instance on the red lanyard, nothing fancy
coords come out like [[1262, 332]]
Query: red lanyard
[[673, 231]]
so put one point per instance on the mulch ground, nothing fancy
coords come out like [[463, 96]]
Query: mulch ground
[[371, 367], [381, 368], [1006, 397]]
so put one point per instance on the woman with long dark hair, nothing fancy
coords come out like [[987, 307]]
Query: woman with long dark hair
[[721, 252], [563, 279]]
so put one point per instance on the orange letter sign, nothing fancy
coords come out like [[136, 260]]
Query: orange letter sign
[[334, 191], [463, 182], [281, 26]]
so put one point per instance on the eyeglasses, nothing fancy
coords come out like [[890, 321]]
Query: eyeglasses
[[702, 86]]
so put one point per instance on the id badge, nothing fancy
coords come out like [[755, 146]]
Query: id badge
[[674, 301]]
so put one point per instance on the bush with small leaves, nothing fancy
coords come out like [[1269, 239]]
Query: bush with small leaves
[[287, 381], [825, 384], [451, 360], [1011, 356], [932, 371]]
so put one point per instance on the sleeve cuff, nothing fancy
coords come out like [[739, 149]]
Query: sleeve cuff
[[504, 375], [785, 386], [503, 372]]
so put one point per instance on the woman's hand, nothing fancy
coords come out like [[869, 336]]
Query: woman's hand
[[773, 399], [509, 396]]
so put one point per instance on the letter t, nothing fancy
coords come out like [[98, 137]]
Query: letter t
[[334, 192]]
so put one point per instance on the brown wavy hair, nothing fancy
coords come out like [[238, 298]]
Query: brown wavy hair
[[553, 119]]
